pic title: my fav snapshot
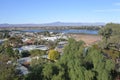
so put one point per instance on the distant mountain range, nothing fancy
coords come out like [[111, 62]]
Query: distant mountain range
[[53, 24]]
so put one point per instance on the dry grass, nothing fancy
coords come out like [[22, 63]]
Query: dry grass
[[88, 39]]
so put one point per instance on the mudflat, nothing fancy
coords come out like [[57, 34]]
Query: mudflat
[[87, 38]]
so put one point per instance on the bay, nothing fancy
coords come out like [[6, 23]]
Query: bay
[[76, 31]]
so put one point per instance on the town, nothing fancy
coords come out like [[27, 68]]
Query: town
[[26, 49], [34, 43]]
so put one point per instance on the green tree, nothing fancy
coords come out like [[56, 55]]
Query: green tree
[[6, 35], [106, 32], [73, 60], [101, 66], [74, 66], [89, 75], [111, 37], [9, 51], [46, 33], [37, 52], [36, 73], [15, 41], [48, 71], [25, 53], [7, 71], [17, 53]]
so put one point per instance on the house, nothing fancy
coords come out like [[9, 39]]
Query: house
[[22, 69], [61, 46], [1, 41], [32, 47], [25, 60], [28, 41], [50, 38], [44, 56]]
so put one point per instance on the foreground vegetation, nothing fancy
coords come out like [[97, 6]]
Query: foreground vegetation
[[111, 40], [75, 64], [95, 62]]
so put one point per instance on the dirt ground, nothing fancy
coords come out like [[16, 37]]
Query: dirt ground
[[88, 39]]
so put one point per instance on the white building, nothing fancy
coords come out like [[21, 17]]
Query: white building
[[54, 38], [32, 47], [50, 38]]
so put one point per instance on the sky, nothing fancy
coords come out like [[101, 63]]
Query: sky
[[47, 11]]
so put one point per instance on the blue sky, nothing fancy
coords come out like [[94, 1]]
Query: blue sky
[[46, 11]]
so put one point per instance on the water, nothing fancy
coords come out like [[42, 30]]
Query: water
[[82, 31]]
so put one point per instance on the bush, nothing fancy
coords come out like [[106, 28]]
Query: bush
[[53, 55]]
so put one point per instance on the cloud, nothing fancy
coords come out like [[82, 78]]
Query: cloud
[[117, 4], [107, 10]]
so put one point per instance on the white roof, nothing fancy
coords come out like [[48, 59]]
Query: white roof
[[23, 60], [22, 69], [50, 38], [32, 47], [63, 42]]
